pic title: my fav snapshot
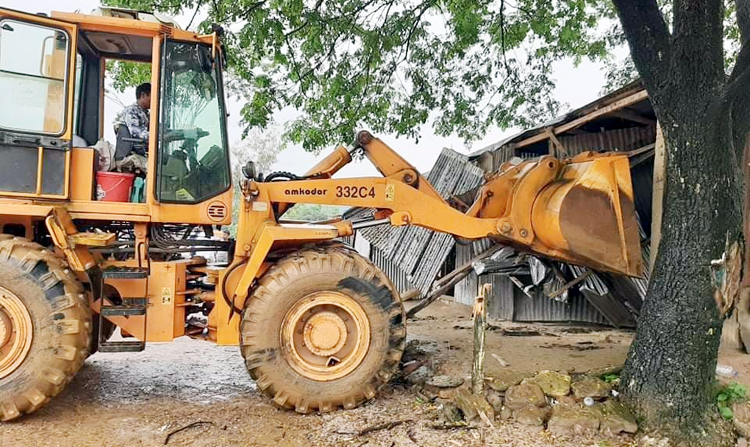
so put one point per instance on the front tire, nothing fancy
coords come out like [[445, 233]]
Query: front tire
[[323, 329], [45, 325]]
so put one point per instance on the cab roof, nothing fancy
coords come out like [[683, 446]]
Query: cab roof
[[126, 34]]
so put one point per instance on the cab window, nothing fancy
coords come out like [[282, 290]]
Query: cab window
[[193, 161], [33, 72]]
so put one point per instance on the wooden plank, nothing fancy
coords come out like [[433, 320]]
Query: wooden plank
[[612, 310], [570, 284], [657, 195], [560, 151], [639, 151], [445, 283], [632, 99]]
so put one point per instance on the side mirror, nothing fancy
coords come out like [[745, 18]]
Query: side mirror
[[249, 170]]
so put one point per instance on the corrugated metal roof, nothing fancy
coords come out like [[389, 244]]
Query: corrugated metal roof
[[417, 253], [628, 89]]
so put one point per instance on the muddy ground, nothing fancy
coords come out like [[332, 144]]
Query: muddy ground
[[138, 399]]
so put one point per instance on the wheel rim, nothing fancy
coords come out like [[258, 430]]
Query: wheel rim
[[15, 332], [325, 336]]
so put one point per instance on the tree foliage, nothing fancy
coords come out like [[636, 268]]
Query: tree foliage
[[396, 66], [310, 212], [260, 147], [127, 74]]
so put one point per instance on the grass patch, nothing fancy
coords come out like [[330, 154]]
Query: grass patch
[[727, 395]]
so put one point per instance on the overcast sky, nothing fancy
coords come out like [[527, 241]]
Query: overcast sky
[[576, 86]]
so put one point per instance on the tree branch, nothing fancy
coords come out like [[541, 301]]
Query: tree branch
[[648, 38], [254, 6], [197, 8], [424, 7], [304, 24]]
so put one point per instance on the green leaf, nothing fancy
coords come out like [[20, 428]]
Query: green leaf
[[726, 413]]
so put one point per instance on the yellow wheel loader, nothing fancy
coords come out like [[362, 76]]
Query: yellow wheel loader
[[319, 326]]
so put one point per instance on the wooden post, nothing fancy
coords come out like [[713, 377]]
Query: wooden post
[[657, 195], [480, 331], [742, 309]]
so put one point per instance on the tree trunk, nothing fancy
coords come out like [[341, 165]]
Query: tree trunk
[[669, 373]]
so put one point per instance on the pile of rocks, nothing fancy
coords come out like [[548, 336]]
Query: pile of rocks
[[556, 400]]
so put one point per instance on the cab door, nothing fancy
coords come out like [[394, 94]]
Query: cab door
[[37, 66]]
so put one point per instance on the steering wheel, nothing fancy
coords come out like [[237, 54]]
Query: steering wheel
[[186, 134]]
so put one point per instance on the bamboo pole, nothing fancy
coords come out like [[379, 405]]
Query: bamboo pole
[[480, 332]]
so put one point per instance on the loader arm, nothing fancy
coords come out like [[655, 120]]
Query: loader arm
[[387, 161], [577, 210]]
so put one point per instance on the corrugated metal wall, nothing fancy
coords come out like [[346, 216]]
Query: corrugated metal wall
[[541, 308], [397, 276], [466, 290], [611, 140]]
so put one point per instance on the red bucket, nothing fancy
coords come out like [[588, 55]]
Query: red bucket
[[114, 186]]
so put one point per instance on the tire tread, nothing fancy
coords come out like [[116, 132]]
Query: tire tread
[[69, 335]]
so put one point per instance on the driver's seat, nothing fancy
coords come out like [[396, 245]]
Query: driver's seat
[[126, 144]]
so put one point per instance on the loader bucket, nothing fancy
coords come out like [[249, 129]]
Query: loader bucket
[[588, 214]]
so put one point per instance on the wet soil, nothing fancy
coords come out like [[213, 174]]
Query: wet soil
[[138, 399]]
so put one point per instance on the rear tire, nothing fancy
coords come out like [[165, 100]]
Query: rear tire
[[323, 329], [45, 300]]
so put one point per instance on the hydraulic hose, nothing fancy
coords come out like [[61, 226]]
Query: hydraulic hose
[[230, 303]]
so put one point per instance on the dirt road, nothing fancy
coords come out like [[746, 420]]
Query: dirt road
[[138, 399]]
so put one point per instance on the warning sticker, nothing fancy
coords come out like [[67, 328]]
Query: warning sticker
[[390, 193], [166, 295]]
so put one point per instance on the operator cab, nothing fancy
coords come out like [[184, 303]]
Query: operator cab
[[53, 75]]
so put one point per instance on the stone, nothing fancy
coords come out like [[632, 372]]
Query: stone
[[519, 396], [566, 400], [443, 381], [554, 384], [742, 442], [419, 376], [450, 414], [532, 415], [589, 386], [495, 399], [442, 386], [741, 418], [574, 419], [616, 418], [506, 413], [413, 351], [473, 406], [502, 384]]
